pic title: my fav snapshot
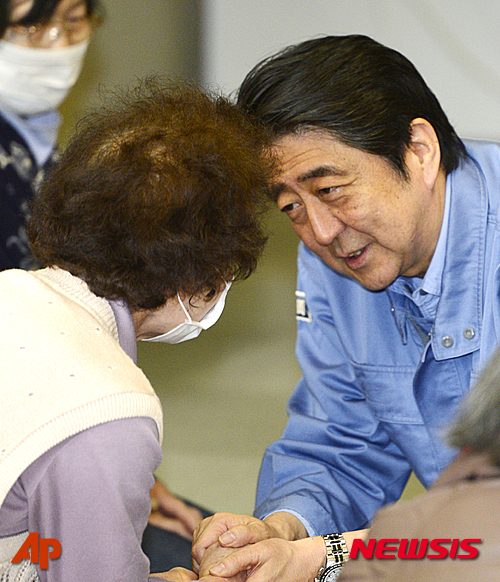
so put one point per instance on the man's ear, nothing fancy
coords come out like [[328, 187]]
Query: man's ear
[[425, 151]]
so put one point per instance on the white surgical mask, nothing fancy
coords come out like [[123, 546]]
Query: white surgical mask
[[191, 329], [34, 80]]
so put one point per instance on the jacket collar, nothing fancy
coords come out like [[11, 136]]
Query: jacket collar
[[457, 325], [459, 311]]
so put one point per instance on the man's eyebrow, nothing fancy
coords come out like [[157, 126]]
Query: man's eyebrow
[[319, 172]]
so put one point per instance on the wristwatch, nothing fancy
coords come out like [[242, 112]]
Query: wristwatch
[[337, 555]]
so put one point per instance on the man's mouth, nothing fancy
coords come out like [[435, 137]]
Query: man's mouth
[[356, 259]]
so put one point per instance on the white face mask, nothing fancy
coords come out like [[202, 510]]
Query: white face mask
[[191, 329], [34, 80]]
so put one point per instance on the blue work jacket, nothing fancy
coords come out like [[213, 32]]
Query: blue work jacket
[[381, 380]]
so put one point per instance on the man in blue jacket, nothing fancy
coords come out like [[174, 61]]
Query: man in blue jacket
[[397, 296]]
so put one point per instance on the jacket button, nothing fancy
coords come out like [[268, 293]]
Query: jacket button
[[447, 341], [469, 333]]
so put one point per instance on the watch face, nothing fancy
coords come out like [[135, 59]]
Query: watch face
[[331, 574]]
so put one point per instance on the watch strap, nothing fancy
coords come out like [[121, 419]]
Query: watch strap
[[337, 554]]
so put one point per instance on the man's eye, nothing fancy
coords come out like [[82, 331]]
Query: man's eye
[[290, 207], [327, 191]]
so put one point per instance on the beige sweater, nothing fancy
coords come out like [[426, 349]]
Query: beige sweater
[[62, 368]]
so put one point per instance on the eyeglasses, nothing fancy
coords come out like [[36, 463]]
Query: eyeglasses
[[46, 34]]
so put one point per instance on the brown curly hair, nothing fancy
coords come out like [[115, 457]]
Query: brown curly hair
[[159, 191]]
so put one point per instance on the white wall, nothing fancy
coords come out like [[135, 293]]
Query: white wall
[[453, 43]]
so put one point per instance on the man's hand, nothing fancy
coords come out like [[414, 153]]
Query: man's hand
[[272, 560], [235, 531], [214, 555], [171, 513]]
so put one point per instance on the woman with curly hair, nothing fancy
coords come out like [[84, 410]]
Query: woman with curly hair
[[141, 226]]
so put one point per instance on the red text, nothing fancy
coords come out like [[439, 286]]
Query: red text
[[42, 549]]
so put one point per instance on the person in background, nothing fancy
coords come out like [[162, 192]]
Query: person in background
[[397, 298], [42, 48], [141, 226]]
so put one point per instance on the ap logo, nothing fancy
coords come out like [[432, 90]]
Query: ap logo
[[42, 550]]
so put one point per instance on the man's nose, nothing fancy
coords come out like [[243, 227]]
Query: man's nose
[[325, 226]]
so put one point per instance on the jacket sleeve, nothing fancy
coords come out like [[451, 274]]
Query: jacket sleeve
[[335, 464]]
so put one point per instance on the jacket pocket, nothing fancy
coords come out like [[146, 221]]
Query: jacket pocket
[[389, 392]]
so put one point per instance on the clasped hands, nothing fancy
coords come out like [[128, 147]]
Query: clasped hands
[[239, 548]]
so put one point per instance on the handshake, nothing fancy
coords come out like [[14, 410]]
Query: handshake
[[236, 548]]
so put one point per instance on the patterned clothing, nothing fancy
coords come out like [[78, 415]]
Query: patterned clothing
[[20, 175]]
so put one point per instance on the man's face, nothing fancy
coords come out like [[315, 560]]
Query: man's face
[[355, 212]]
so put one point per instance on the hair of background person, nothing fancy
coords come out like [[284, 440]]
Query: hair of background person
[[477, 426], [362, 93], [160, 190], [41, 11]]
